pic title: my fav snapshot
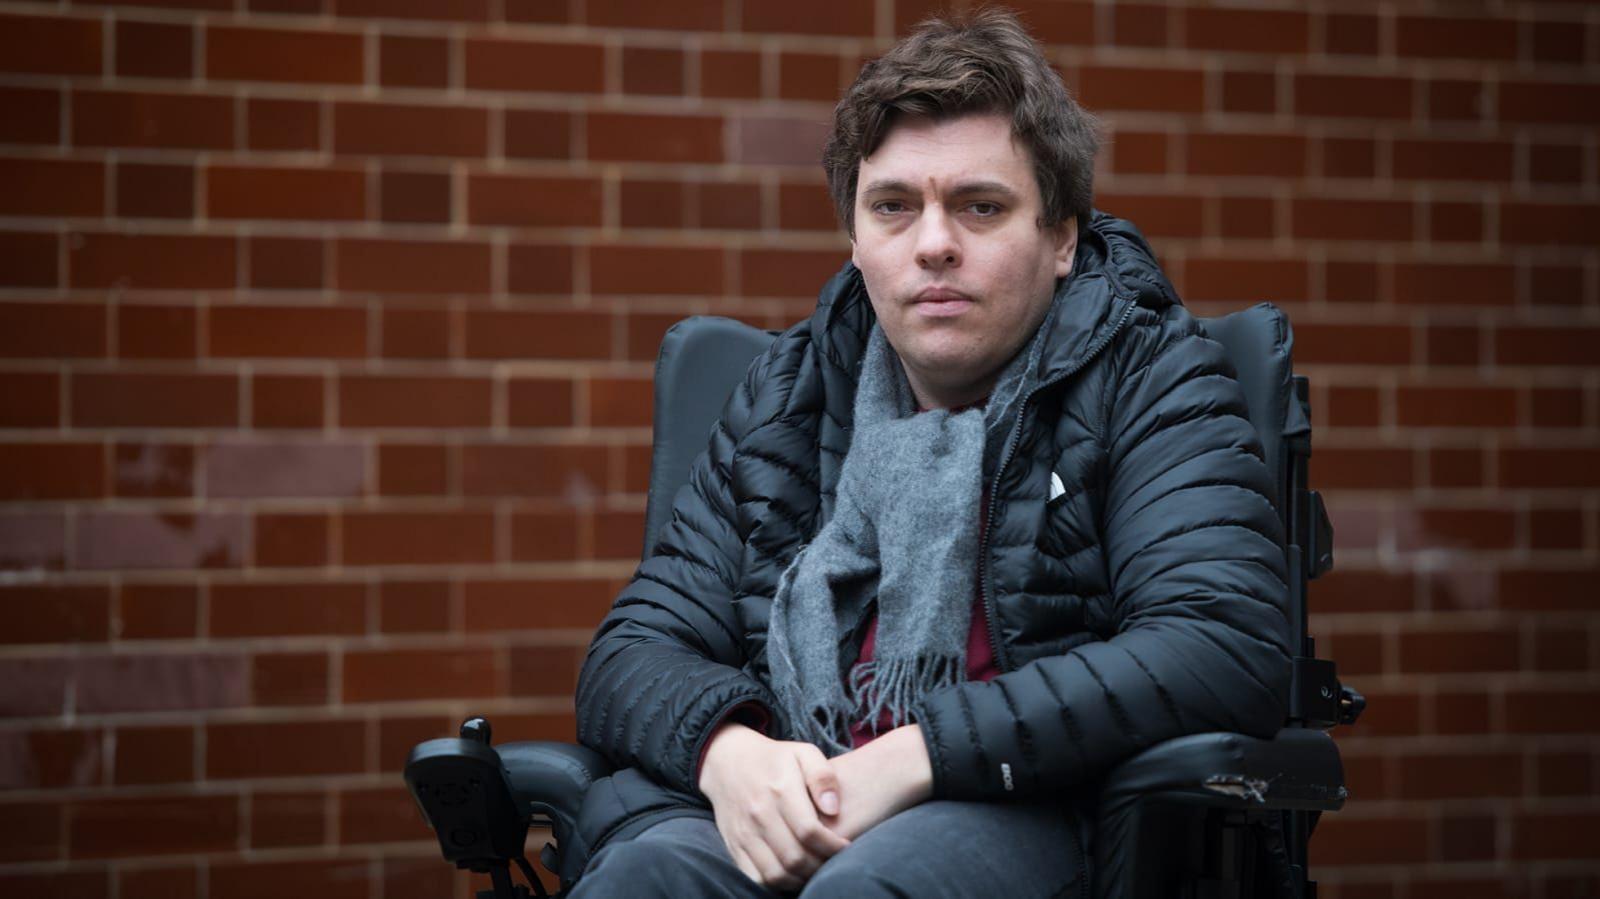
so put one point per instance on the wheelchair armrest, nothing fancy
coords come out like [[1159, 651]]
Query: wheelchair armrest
[[550, 778], [1299, 769]]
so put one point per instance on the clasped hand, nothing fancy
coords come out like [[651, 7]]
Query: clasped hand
[[783, 808]]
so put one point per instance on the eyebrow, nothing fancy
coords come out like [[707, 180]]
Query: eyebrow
[[966, 188]]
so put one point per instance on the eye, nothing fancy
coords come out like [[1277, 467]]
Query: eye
[[984, 209], [888, 207]]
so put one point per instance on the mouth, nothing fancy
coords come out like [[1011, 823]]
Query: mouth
[[941, 302]]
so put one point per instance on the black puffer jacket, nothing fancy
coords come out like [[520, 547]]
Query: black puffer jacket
[[1144, 603]]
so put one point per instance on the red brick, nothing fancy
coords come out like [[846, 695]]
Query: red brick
[[1344, 219], [1456, 407], [1353, 407], [1444, 38], [1556, 163], [1352, 96], [539, 403], [158, 611], [154, 755], [126, 120], [1460, 775], [286, 401], [545, 536], [157, 332], [809, 207], [1057, 22], [1455, 222], [537, 134], [1349, 157], [283, 124], [52, 330], [139, 261], [1559, 648], [1369, 469], [1216, 278], [653, 204], [534, 202], [654, 71], [34, 687], [415, 197], [142, 539], [155, 191], [131, 828], [1450, 100], [1246, 154], [148, 469], [1103, 87], [291, 540], [405, 61], [52, 884], [1449, 345], [493, 606], [1350, 282], [49, 45], [30, 399], [540, 269], [414, 470], [1158, 215], [417, 538], [287, 819], [618, 269], [809, 76], [397, 736], [1249, 92], [512, 65], [414, 607], [1560, 224], [148, 400], [1246, 30], [289, 679], [52, 187], [320, 332], [1549, 467], [548, 471], [388, 675], [33, 115], [733, 74], [1569, 346], [1437, 160], [732, 206], [36, 471], [29, 260], [1550, 710], [1563, 773], [323, 878], [1466, 838], [412, 266], [52, 758], [796, 273], [427, 10], [284, 749], [1554, 835], [377, 401], [618, 534], [780, 140], [1342, 839], [258, 609], [620, 402], [843, 18], [1140, 26], [155, 50], [616, 137], [1556, 407], [544, 670], [214, 5], [58, 614], [381, 815], [262, 193], [1253, 217], [1351, 35], [507, 334], [270, 54], [385, 129], [1452, 651], [688, 15]]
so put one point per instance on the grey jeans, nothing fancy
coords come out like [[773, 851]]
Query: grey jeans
[[934, 849]]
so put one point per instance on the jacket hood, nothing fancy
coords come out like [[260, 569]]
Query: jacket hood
[[1113, 270]]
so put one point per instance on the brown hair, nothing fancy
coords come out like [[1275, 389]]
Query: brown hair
[[948, 67]]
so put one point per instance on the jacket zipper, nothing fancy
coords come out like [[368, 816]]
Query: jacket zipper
[[984, 587]]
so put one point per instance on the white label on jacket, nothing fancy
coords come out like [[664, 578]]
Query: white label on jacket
[[1056, 487], [1005, 774]]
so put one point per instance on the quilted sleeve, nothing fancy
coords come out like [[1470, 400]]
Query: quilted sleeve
[[666, 663], [1198, 587]]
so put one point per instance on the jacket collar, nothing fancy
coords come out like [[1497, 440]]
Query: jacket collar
[[1113, 270]]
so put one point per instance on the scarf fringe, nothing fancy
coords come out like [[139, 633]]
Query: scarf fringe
[[894, 686]]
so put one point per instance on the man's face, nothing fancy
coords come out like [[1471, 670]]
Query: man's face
[[956, 265]]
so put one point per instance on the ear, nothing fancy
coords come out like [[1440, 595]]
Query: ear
[[855, 254], [1066, 246]]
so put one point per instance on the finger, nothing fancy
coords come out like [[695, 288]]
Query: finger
[[769, 870], [807, 829], [822, 782]]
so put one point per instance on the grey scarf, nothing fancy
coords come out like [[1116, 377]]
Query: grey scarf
[[904, 534]]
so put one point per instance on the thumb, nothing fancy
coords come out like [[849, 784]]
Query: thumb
[[822, 782]]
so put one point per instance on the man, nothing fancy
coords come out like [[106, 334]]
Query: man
[[991, 521]]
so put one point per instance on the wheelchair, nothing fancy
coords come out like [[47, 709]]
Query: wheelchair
[[1204, 816]]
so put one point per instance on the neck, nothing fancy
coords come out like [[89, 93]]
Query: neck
[[949, 396]]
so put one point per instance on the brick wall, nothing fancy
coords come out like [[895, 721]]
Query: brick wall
[[325, 343]]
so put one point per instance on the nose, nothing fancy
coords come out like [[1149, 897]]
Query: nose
[[937, 247]]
